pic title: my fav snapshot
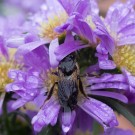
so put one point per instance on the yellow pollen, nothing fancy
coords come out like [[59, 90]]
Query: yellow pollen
[[52, 78], [47, 29], [4, 68], [124, 56]]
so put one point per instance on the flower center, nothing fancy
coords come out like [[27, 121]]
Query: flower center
[[124, 56], [5, 66], [47, 29], [4, 80]]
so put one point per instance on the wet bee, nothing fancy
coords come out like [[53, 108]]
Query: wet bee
[[69, 82]]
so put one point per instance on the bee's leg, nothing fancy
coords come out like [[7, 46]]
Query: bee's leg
[[83, 75], [81, 88], [51, 91]]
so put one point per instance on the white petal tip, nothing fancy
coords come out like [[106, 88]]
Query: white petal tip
[[65, 128]]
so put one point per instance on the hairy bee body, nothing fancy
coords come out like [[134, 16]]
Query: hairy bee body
[[68, 82]]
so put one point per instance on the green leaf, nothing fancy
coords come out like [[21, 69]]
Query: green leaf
[[97, 128], [51, 130]]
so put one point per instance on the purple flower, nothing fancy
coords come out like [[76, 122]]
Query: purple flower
[[80, 20], [44, 21], [9, 28], [116, 32], [116, 47], [38, 76], [50, 23]]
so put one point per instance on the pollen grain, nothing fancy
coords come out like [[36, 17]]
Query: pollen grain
[[124, 56]]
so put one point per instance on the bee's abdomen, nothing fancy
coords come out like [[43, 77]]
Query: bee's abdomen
[[67, 93]]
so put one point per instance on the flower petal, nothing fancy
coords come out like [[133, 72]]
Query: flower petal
[[68, 5], [100, 111], [127, 40], [113, 85], [69, 46], [114, 95], [106, 78], [107, 64], [26, 48], [53, 45], [47, 115], [15, 42], [130, 80], [19, 103], [68, 117]]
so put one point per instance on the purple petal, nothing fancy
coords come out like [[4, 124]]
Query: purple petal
[[128, 30], [107, 64], [130, 80], [69, 46], [3, 48], [83, 122], [82, 7], [100, 111], [15, 42], [12, 74], [26, 48], [106, 39], [94, 7], [14, 87], [19, 103], [114, 21], [39, 100], [114, 95], [67, 120], [115, 85], [83, 29], [101, 49], [106, 78], [53, 45], [31, 82], [38, 59], [68, 5], [47, 115], [128, 40], [31, 38]]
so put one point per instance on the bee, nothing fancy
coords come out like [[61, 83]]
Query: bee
[[69, 82]]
